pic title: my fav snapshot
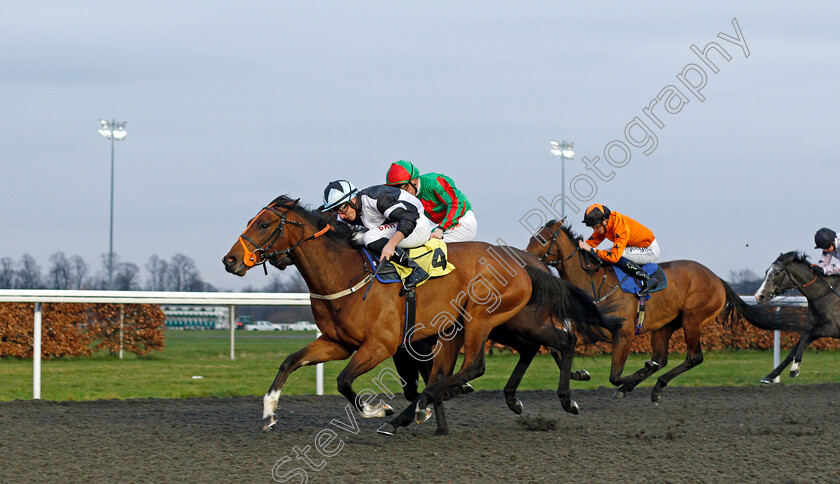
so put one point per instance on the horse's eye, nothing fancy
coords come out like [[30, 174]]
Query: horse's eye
[[264, 225]]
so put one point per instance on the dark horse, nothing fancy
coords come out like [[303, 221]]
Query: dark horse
[[484, 292], [525, 333], [694, 297], [792, 270]]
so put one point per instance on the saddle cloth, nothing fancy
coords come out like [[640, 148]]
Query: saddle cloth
[[631, 285], [431, 256]]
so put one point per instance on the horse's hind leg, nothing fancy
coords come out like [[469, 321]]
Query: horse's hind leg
[[370, 354], [784, 363], [800, 348]]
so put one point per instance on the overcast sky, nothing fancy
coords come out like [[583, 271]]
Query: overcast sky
[[230, 104]]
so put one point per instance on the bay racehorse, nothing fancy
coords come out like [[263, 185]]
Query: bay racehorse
[[483, 292], [793, 271], [693, 298]]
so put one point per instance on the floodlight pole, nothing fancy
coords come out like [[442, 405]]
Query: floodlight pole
[[563, 150], [111, 230], [115, 131]]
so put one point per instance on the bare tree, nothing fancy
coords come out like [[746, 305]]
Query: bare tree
[[291, 281], [125, 277], [157, 274], [7, 273], [28, 275], [745, 281], [60, 273], [181, 273], [79, 271]]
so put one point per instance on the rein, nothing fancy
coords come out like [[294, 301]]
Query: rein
[[816, 276]]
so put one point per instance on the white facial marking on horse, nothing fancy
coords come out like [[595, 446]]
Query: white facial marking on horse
[[761, 289], [270, 403]]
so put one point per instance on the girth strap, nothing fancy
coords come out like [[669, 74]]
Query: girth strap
[[330, 297], [410, 312], [640, 316]]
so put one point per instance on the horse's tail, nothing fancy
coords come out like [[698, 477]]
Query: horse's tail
[[736, 310], [564, 301]]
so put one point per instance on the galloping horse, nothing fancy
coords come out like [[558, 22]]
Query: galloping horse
[[694, 297], [792, 270], [485, 291]]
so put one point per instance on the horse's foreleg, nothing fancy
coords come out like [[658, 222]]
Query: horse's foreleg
[[526, 356], [567, 351], [693, 356], [620, 351], [659, 340], [472, 368], [318, 351]]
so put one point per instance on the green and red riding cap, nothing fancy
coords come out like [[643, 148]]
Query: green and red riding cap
[[401, 172]]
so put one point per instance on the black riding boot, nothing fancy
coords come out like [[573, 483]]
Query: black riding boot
[[417, 275], [648, 283]]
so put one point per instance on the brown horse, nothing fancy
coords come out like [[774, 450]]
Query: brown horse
[[694, 297], [485, 291]]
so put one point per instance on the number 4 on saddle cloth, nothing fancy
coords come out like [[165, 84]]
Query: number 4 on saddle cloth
[[631, 285], [431, 257]]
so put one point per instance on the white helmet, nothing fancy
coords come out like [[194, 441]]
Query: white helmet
[[338, 193]]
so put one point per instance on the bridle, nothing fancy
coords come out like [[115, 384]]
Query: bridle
[[585, 264], [262, 251], [803, 286]]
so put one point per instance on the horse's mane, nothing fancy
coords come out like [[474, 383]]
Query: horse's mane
[[573, 236], [566, 228], [793, 256], [341, 232]]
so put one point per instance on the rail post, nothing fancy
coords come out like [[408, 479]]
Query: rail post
[[36, 354], [319, 373]]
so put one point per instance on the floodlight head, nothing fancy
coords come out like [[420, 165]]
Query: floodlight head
[[113, 130]]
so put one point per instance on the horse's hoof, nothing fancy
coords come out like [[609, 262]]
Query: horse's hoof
[[767, 380], [573, 408], [583, 375], [516, 407], [381, 410], [467, 388], [618, 394], [421, 415], [270, 425], [655, 397], [386, 429], [794, 373], [442, 432]]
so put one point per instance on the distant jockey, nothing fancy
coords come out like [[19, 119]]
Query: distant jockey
[[826, 239], [443, 203], [633, 244]]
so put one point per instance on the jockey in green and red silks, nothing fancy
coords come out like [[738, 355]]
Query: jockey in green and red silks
[[443, 203]]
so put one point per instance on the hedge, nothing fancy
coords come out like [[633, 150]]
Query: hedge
[[80, 329]]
